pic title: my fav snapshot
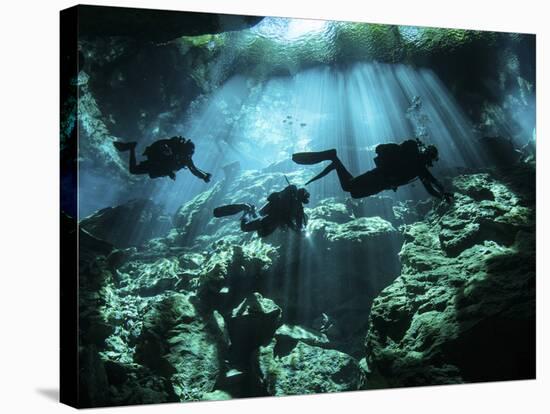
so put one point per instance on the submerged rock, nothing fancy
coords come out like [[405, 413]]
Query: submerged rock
[[463, 308], [94, 280], [216, 395], [150, 279], [330, 209], [483, 210], [306, 370], [231, 272], [287, 337], [360, 230], [129, 224], [197, 211], [253, 323], [296, 271], [177, 344], [409, 211], [231, 315]]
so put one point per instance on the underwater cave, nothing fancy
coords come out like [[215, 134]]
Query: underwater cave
[[395, 289]]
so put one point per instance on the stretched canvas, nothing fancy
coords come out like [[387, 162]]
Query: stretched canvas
[[267, 206]]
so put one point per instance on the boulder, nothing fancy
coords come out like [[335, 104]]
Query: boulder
[[409, 211], [359, 230], [331, 209], [196, 212], [177, 344], [253, 323], [93, 298], [484, 209], [229, 272], [149, 279], [216, 395], [287, 337], [463, 308], [306, 370]]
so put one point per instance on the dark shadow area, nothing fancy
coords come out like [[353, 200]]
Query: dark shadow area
[[500, 346], [498, 340]]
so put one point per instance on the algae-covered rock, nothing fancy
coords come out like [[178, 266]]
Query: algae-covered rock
[[216, 395], [483, 210], [176, 343], [94, 281], [463, 307], [232, 271], [332, 209], [408, 212], [306, 370], [287, 337], [129, 224], [198, 210], [232, 315], [149, 279], [359, 230]]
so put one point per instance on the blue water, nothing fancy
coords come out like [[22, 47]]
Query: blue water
[[352, 109]]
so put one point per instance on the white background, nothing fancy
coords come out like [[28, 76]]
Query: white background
[[29, 206]]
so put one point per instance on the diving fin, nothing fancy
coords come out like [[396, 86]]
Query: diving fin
[[231, 209], [309, 158]]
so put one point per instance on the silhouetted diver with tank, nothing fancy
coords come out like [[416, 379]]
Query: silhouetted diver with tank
[[284, 209], [396, 165], [164, 158]]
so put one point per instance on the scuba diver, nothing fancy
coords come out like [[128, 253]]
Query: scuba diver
[[396, 165], [283, 209], [164, 158]]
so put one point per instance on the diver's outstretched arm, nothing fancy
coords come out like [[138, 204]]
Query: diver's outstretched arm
[[434, 187], [197, 172], [430, 188], [428, 175]]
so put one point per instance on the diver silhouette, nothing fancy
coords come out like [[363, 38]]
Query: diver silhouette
[[396, 165], [284, 209], [164, 158]]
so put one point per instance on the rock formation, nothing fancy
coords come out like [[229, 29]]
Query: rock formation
[[444, 296]]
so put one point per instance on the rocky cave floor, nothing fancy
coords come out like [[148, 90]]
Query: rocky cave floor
[[376, 294]]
